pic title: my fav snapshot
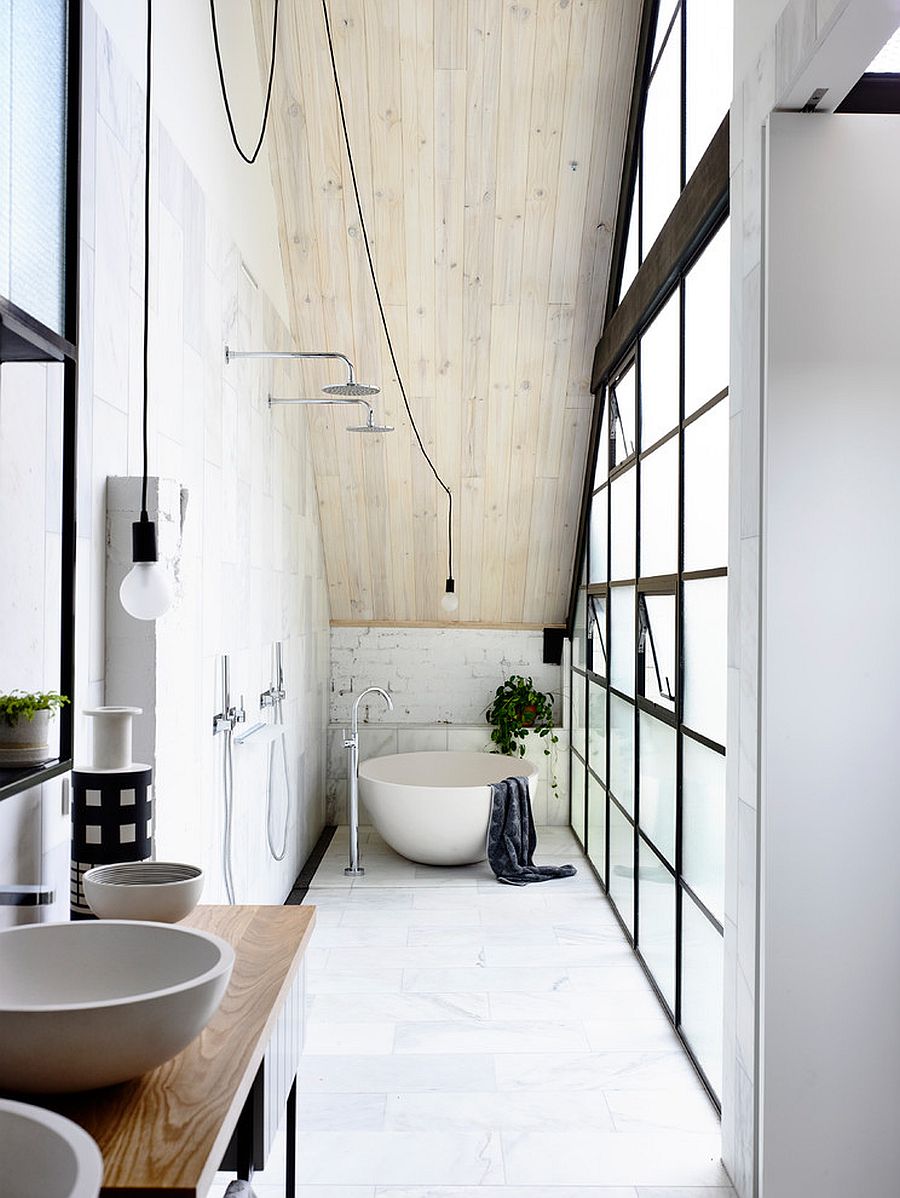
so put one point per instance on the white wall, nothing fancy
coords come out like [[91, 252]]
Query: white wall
[[776, 45], [830, 756], [441, 681], [186, 95]]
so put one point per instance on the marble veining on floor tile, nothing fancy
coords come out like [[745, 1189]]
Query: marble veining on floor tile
[[471, 1040]]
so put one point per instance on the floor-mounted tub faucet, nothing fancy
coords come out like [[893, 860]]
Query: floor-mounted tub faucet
[[351, 744]]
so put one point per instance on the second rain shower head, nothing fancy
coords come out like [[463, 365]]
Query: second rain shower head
[[370, 426], [351, 390]]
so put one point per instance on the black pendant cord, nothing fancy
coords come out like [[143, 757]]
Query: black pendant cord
[[384, 323], [147, 129], [251, 158]]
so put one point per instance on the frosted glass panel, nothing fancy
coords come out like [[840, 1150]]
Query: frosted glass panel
[[601, 466], [598, 540], [660, 351], [703, 815], [621, 751], [597, 729], [657, 775], [621, 639], [623, 424], [623, 516], [708, 73], [656, 919], [621, 864], [707, 311], [578, 798], [706, 490], [701, 990], [659, 510], [661, 143], [658, 681], [630, 263], [579, 731], [32, 156], [596, 831], [597, 634], [578, 631], [705, 656]]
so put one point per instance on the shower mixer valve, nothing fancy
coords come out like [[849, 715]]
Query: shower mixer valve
[[275, 694], [226, 720]]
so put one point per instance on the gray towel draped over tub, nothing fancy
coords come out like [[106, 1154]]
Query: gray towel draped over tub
[[512, 838]]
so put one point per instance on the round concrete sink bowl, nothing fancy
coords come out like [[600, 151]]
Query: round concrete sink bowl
[[89, 1004], [45, 1155]]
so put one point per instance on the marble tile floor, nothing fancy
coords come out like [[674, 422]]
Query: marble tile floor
[[467, 1039]]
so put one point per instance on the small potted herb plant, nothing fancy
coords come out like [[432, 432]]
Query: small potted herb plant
[[25, 726], [517, 709]]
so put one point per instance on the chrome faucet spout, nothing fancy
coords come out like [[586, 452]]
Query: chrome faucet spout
[[370, 690]]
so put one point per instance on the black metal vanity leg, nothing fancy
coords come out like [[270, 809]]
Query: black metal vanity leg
[[290, 1161], [244, 1144]]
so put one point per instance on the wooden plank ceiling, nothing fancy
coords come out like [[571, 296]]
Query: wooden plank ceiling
[[488, 137]]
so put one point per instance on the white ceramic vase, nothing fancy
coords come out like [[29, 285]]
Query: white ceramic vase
[[112, 736]]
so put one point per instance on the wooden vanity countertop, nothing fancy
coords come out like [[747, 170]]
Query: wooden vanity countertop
[[165, 1133]]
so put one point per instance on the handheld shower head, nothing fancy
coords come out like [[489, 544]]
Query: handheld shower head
[[351, 389]]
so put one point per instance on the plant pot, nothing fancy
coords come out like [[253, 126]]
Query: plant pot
[[24, 741]]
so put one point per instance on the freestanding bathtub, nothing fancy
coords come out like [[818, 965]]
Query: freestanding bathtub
[[434, 807]]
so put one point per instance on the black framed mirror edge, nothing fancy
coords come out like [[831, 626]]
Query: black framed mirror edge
[[49, 347]]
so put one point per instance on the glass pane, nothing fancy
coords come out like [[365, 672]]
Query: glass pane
[[577, 797], [705, 656], [661, 142], [601, 467], [706, 490], [621, 638], [707, 311], [658, 678], [597, 634], [598, 537], [702, 965], [621, 751], [622, 414], [630, 262], [656, 920], [622, 525], [708, 73], [659, 510], [32, 156], [596, 832], [597, 729], [621, 865], [659, 373], [703, 816], [663, 20], [578, 632], [579, 731], [657, 775]]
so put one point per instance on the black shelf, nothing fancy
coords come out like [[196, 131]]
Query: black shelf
[[24, 339], [14, 780]]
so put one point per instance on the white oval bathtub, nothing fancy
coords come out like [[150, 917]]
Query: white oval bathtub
[[434, 807]]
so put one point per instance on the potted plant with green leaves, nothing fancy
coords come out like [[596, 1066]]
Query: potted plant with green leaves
[[25, 726], [518, 709]]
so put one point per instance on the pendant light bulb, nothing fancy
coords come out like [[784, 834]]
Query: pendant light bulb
[[450, 599], [146, 591]]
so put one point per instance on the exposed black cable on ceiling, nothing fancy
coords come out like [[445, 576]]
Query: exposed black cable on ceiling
[[265, 118], [147, 130], [384, 323]]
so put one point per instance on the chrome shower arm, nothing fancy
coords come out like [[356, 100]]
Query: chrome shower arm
[[275, 400], [231, 354]]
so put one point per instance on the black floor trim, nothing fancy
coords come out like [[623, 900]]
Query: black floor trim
[[307, 873]]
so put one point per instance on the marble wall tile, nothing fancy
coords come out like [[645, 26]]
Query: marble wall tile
[[795, 38]]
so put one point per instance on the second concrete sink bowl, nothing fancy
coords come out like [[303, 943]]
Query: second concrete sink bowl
[[89, 1004]]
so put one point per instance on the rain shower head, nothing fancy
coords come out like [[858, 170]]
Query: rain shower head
[[370, 426], [351, 389]]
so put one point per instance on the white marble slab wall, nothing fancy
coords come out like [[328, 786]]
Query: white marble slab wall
[[250, 569], [441, 681], [785, 44]]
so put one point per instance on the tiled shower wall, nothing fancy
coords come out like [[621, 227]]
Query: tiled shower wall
[[252, 568], [441, 681]]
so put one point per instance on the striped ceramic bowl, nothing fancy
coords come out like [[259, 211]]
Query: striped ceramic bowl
[[162, 891]]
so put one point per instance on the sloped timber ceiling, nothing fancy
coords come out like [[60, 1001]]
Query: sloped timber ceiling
[[488, 137]]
